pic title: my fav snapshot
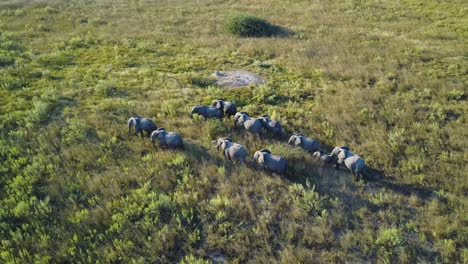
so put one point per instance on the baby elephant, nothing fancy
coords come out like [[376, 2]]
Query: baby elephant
[[323, 157], [206, 112], [232, 150], [228, 108], [304, 142], [272, 126], [272, 162], [352, 161], [167, 139], [141, 124], [250, 124]]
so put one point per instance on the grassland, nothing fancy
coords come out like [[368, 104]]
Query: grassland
[[386, 78]]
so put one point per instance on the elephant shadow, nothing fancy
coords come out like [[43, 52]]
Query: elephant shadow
[[379, 179], [200, 153]]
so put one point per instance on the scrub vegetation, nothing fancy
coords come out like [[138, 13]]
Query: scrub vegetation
[[386, 78]]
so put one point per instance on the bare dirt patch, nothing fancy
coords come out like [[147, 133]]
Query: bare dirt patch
[[237, 78]]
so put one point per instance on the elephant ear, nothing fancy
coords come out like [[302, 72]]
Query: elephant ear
[[223, 144], [131, 121], [137, 121], [298, 140], [259, 157], [342, 154]]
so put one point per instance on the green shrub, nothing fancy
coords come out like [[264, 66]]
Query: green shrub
[[308, 199], [245, 25]]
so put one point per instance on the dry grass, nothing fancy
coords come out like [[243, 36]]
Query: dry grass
[[386, 78]]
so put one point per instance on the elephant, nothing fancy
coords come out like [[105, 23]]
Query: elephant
[[250, 124], [167, 139], [271, 126], [323, 157], [141, 124], [304, 142], [352, 161], [232, 150], [228, 108], [206, 112], [272, 162]]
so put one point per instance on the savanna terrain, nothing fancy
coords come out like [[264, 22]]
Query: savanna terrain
[[386, 78]]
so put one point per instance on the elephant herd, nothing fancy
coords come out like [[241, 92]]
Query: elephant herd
[[232, 151]]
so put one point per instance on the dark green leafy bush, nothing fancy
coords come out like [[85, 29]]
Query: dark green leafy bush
[[245, 25]]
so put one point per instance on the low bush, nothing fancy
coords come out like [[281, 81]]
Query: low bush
[[245, 25]]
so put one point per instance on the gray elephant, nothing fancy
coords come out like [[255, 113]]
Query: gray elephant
[[323, 157], [272, 126], [206, 112], [232, 150], [228, 108], [352, 161], [167, 139], [141, 124], [250, 124], [304, 142], [274, 163]]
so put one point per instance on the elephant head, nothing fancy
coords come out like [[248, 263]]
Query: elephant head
[[222, 143], [218, 103], [264, 119], [317, 154], [195, 110], [295, 140], [340, 152], [239, 118], [132, 122], [158, 134], [259, 156]]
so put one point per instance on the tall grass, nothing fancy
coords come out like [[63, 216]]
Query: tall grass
[[385, 78]]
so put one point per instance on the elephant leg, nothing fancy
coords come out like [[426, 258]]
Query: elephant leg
[[356, 176], [356, 173], [337, 166], [338, 163]]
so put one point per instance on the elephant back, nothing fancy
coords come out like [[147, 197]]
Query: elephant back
[[174, 140], [148, 124], [310, 144], [253, 125], [230, 108]]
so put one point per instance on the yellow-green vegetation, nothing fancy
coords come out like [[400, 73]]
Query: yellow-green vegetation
[[386, 78]]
